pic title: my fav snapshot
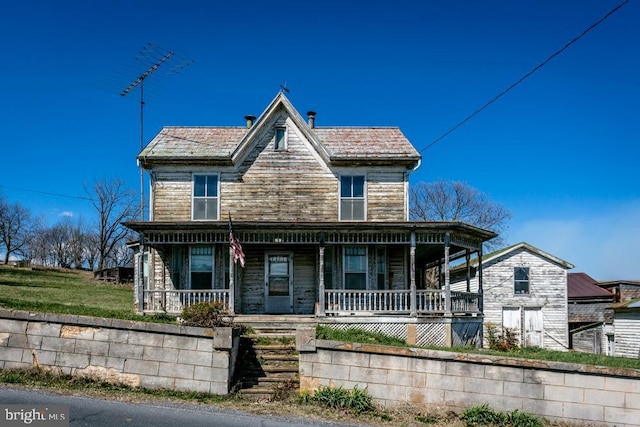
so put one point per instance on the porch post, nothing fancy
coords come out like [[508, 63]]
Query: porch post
[[321, 282], [447, 284], [232, 286], [480, 289], [412, 274], [140, 280], [468, 261]]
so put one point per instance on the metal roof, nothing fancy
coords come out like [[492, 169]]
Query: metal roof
[[219, 144], [581, 285]]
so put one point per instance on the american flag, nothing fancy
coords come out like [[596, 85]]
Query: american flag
[[238, 253]]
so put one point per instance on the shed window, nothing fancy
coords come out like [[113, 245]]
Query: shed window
[[281, 138], [205, 197], [355, 267], [521, 280], [352, 200]]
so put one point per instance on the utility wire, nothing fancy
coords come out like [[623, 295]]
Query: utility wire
[[50, 194], [542, 64]]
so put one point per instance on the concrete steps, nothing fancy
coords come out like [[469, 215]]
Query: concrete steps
[[267, 367]]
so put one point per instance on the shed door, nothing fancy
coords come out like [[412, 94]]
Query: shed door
[[533, 327], [279, 283], [511, 320]]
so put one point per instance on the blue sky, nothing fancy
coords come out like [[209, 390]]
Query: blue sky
[[560, 150]]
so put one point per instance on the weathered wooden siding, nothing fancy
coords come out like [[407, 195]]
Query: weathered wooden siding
[[547, 290], [397, 269], [588, 340], [626, 324], [279, 185], [305, 289], [385, 196], [171, 199]]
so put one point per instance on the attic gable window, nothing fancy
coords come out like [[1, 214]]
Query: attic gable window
[[352, 200], [521, 280], [281, 138], [205, 197]]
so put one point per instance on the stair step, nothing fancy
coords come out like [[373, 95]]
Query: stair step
[[275, 347], [280, 368], [283, 357]]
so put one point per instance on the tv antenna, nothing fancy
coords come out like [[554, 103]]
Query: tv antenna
[[154, 57]]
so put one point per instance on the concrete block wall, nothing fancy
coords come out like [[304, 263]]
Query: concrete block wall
[[139, 354], [397, 376]]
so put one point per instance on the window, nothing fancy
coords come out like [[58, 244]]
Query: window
[[205, 197], [355, 267], [201, 267], [328, 267], [521, 280], [176, 266], [352, 205], [381, 261], [281, 138]]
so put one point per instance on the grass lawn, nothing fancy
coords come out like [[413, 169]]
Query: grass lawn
[[64, 291]]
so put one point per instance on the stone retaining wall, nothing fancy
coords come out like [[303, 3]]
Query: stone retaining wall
[[149, 355], [396, 376]]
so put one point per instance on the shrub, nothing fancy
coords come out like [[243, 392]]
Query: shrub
[[356, 400], [206, 315], [483, 415], [505, 340]]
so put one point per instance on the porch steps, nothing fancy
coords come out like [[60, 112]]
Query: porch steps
[[267, 367]]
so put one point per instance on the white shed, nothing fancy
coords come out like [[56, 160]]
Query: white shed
[[525, 289]]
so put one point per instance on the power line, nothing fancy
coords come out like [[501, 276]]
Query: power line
[[49, 194], [542, 64]]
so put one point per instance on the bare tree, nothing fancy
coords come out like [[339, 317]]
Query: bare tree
[[114, 204], [458, 202], [91, 253], [15, 229]]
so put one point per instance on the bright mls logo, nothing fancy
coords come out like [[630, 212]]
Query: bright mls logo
[[35, 415]]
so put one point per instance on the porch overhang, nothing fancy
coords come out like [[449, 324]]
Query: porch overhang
[[426, 236]]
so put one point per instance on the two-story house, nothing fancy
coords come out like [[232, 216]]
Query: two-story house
[[321, 214]]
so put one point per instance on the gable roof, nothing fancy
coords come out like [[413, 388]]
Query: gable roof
[[581, 285], [227, 145], [526, 246]]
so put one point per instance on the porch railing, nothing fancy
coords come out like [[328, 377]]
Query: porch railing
[[399, 302], [173, 301]]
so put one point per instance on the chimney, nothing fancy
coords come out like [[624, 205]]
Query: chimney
[[312, 119], [249, 120]]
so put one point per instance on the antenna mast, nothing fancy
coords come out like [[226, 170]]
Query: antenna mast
[[150, 52]]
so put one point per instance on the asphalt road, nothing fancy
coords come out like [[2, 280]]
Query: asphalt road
[[89, 411]]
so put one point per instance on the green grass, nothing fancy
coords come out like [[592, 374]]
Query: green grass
[[54, 381], [357, 335], [64, 291], [361, 336]]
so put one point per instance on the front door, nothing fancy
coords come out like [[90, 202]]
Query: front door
[[279, 283]]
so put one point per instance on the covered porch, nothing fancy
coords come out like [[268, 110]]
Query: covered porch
[[389, 279]]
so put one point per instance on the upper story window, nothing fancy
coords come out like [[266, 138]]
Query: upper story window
[[281, 138], [352, 200], [205, 197], [521, 280]]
